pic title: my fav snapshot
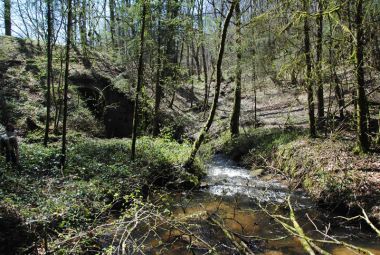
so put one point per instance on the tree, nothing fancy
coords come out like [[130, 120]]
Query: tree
[[203, 50], [83, 26], [339, 93], [309, 84], [198, 142], [234, 123], [362, 105], [112, 21], [321, 110], [7, 17], [140, 74], [49, 68], [66, 85], [170, 72], [158, 88]]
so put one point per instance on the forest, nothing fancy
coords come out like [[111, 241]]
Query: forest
[[190, 127]]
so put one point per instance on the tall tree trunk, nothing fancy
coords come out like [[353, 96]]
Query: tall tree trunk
[[192, 84], [66, 86], [203, 51], [234, 124], [309, 84], [83, 26], [112, 21], [352, 52], [58, 105], [158, 90], [170, 72], [339, 93], [195, 51], [37, 23], [75, 21], [49, 69], [321, 108], [7, 17], [140, 73], [361, 96], [205, 75], [198, 142]]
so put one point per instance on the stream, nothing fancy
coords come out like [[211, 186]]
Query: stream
[[241, 201], [232, 193]]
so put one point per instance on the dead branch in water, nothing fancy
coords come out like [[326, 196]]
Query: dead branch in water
[[239, 244], [308, 243], [366, 219]]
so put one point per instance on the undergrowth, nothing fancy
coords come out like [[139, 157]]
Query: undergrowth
[[255, 146], [99, 179]]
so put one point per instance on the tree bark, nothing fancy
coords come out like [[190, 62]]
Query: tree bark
[[203, 51], [140, 74], [112, 21], [310, 97], [158, 90], [7, 17], [321, 110], [198, 142], [195, 51], [339, 93], [205, 75], [234, 124], [49, 69], [83, 26], [66, 86], [362, 105]]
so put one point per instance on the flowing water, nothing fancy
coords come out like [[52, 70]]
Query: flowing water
[[232, 193], [236, 198]]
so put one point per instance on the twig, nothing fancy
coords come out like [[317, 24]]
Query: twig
[[240, 245]]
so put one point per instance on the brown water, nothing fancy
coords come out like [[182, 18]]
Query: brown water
[[231, 194]]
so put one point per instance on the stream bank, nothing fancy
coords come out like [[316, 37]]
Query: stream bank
[[329, 170]]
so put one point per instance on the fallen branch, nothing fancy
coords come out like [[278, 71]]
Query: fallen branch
[[307, 245], [239, 244], [336, 241], [365, 218]]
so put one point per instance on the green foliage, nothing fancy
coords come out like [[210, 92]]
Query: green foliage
[[39, 160], [99, 178], [256, 145]]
